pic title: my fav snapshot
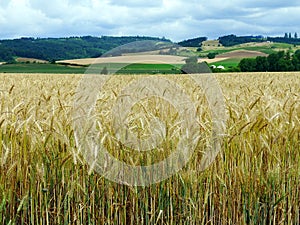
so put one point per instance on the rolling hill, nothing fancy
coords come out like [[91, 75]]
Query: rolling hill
[[52, 49], [83, 51]]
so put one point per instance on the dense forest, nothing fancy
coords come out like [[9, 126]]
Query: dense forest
[[231, 40], [52, 49], [275, 62], [294, 41], [195, 42]]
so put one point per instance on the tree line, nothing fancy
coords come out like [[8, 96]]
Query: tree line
[[194, 42], [275, 62], [231, 40]]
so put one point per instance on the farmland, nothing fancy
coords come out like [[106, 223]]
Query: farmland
[[231, 56], [125, 68], [254, 179], [132, 58], [40, 68], [152, 59]]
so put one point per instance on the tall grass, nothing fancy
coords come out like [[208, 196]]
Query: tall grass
[[254, 180]]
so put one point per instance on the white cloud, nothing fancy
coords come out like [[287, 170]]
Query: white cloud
[[175, 19], [136, 4]]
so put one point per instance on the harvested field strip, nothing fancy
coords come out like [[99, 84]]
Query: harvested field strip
[[149, 59], [241, 54]]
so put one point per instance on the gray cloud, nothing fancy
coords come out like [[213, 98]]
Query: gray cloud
[[175, 19], [266, 4]]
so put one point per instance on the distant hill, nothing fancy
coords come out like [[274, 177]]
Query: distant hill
[[194, 42], [231, 40], [53, 49], [56, 49]]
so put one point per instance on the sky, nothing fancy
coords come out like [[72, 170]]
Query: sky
[[174, 19]]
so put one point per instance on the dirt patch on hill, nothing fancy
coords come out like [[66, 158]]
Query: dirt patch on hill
[[31, 60], [241, 54], [213, 60]]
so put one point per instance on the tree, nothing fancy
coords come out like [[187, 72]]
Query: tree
[[296, 35], [290, 35], [191, 60], [296, 60], [6, 54], [248, 65], [104, 70], [192, 66], [211, 55], [279, 61], [286, 36], [172, 51], [285, 65], [195, 42], [288, 55], [262, 64], [273, 61]]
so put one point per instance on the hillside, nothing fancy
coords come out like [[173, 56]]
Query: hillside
[[55, 49], [52, 49], [82, 51], [229, 57]]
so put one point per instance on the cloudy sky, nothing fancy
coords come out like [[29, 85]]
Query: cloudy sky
[[173, 19]]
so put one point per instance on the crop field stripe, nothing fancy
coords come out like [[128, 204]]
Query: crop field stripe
[[40, 68]]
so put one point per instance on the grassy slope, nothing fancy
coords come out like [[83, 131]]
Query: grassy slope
[[227, 63], [267, 48]]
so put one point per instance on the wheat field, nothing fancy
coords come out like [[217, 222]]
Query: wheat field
[[255, 179]]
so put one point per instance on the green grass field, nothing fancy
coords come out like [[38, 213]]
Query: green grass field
[[112, 67], [40, 68], [227, 63], [139, 68], [135, 68]]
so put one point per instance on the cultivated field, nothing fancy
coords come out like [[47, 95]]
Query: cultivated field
[[241, 54], [235, 55], [149, 59], [255, 179]]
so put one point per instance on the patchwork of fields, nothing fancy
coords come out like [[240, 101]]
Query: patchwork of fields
[[255, 179]]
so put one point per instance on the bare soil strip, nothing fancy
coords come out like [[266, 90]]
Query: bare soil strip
[[213, 60], [241, 54], [31, 60]]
